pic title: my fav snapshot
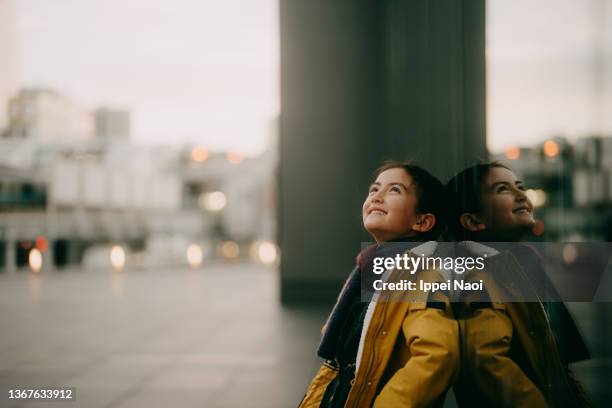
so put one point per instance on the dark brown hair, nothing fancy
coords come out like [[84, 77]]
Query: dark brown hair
[[463, 195], [430, 193]]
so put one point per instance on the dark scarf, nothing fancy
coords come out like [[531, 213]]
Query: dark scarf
[[352, 289]]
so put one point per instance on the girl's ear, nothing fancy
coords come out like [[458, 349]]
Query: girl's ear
[[471, 222], [424, 222]]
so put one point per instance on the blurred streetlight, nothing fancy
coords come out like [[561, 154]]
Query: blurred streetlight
[[194, 255], [537, 197], [35, 260], [570, 253], [230, 250], [199, 154], [551, 148], [266, 252], [235, 157], [214, 201], [117, 257], [513, 153], [41, 243]]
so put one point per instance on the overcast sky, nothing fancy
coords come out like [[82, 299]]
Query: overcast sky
[[549, 70], [207, 71], [189, 70]]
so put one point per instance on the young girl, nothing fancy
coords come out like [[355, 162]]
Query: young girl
[[389, 354], [510, 353]]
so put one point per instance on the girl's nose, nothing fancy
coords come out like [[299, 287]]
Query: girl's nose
[[377, 197], [520, 195]]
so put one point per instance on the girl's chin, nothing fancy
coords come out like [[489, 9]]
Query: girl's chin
[[516, 232], [526, 221], [526, 226], [372, 225], [530, 223]]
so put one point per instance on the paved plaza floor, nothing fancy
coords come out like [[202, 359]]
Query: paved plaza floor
[[214, 337]]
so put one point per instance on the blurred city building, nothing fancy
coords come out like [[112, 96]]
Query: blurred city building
[[112, 124], [237, 192], [164, 205], [48, 116], [570, 184]]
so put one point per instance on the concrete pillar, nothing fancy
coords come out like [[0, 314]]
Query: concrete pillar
[[361, 82], [10, 255]]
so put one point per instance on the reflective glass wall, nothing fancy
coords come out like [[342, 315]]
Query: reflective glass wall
[[549, 117]]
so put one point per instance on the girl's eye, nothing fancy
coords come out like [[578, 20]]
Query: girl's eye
[[522, 188], [502, 188], [395, 189], [373, 190]]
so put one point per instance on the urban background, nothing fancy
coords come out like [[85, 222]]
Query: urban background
[[139, 190]]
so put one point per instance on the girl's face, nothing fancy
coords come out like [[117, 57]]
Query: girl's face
[[507, 213], [389, 210]]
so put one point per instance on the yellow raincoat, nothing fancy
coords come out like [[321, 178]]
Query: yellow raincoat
[[410, 352]]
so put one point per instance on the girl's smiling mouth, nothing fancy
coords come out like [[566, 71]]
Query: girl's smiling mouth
[[522, 209]]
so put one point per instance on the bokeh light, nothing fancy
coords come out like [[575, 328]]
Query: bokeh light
[[551, 148], [230, 250], [513, 153], [570, 253], [117, 257], [537, 197], [41, 243], [267, 252], [235, 157], [35, 260], [214, 201], [195, 255], [199, 154]]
